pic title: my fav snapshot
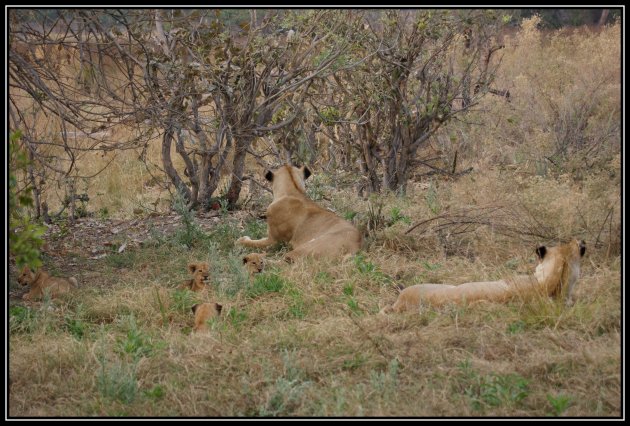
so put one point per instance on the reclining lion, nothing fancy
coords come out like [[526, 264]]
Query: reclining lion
[[293, 218], [42, 282], [556, 274]]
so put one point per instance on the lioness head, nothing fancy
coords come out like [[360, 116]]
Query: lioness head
[[254, 262], [26, 276], [199, 270], [203, 312], [288, 179], [559, 266]]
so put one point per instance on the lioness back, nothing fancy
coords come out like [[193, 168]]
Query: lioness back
[[293, 218]]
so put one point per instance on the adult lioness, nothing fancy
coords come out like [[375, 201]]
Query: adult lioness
[[293, 218], [556, 275]]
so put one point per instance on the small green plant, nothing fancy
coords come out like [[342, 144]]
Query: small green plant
[[236, 317], [323, 277], [224, 205], [431, 266], [433, 202], [224, 235], [559, 404], [397, 216], [375, 218], [136, 343], [287, 390], [189, 234], [363, 265], [117, 381], [103, 213], [516, 327], [161, 304], [353, 304], [156, 392], [22, 319], [492, 390], [352, 364], [348, 289], [266, 282], [297, 307], [385, 381], [369, 269], [183, 300], [76, 327], [349, 215]]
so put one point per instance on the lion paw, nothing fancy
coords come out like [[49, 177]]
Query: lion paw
[[243, 240]]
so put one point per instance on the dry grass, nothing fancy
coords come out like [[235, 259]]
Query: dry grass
[[305, 339]]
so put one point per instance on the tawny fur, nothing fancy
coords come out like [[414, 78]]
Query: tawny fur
[[295, 219], [203, 312], [41, 282], [200, 272], [556, 274], [254, 262]]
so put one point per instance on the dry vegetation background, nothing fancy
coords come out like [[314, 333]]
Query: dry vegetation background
[[305, 339]]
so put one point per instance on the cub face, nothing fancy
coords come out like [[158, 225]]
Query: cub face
[[200, 269], [26, 276], [254, 262]]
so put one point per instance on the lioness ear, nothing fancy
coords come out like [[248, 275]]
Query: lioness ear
[[541, 252], [307, 172], [218, 307], [192, 267], [194, 308], [582, 248], [269, 176]]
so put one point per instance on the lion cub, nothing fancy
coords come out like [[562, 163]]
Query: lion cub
[[42, 281], [200, 272], [255, 263], [203, 312]]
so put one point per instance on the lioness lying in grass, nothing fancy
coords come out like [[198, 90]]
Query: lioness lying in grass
[[556, 274]]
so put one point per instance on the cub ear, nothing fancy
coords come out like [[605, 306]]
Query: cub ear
[[245, 260], [541, 252], [218, 307], [192, 267], [307, 172], [269, 175], [582, 248], [194, 308]]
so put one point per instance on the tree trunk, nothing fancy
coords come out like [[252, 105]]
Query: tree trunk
[[36, 190], [604, 17], [170, 169], [238, 168]]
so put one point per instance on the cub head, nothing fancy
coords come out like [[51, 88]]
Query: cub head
[[254, 262], [203, 312], [26, 277], [199, 270], [288, 178]]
